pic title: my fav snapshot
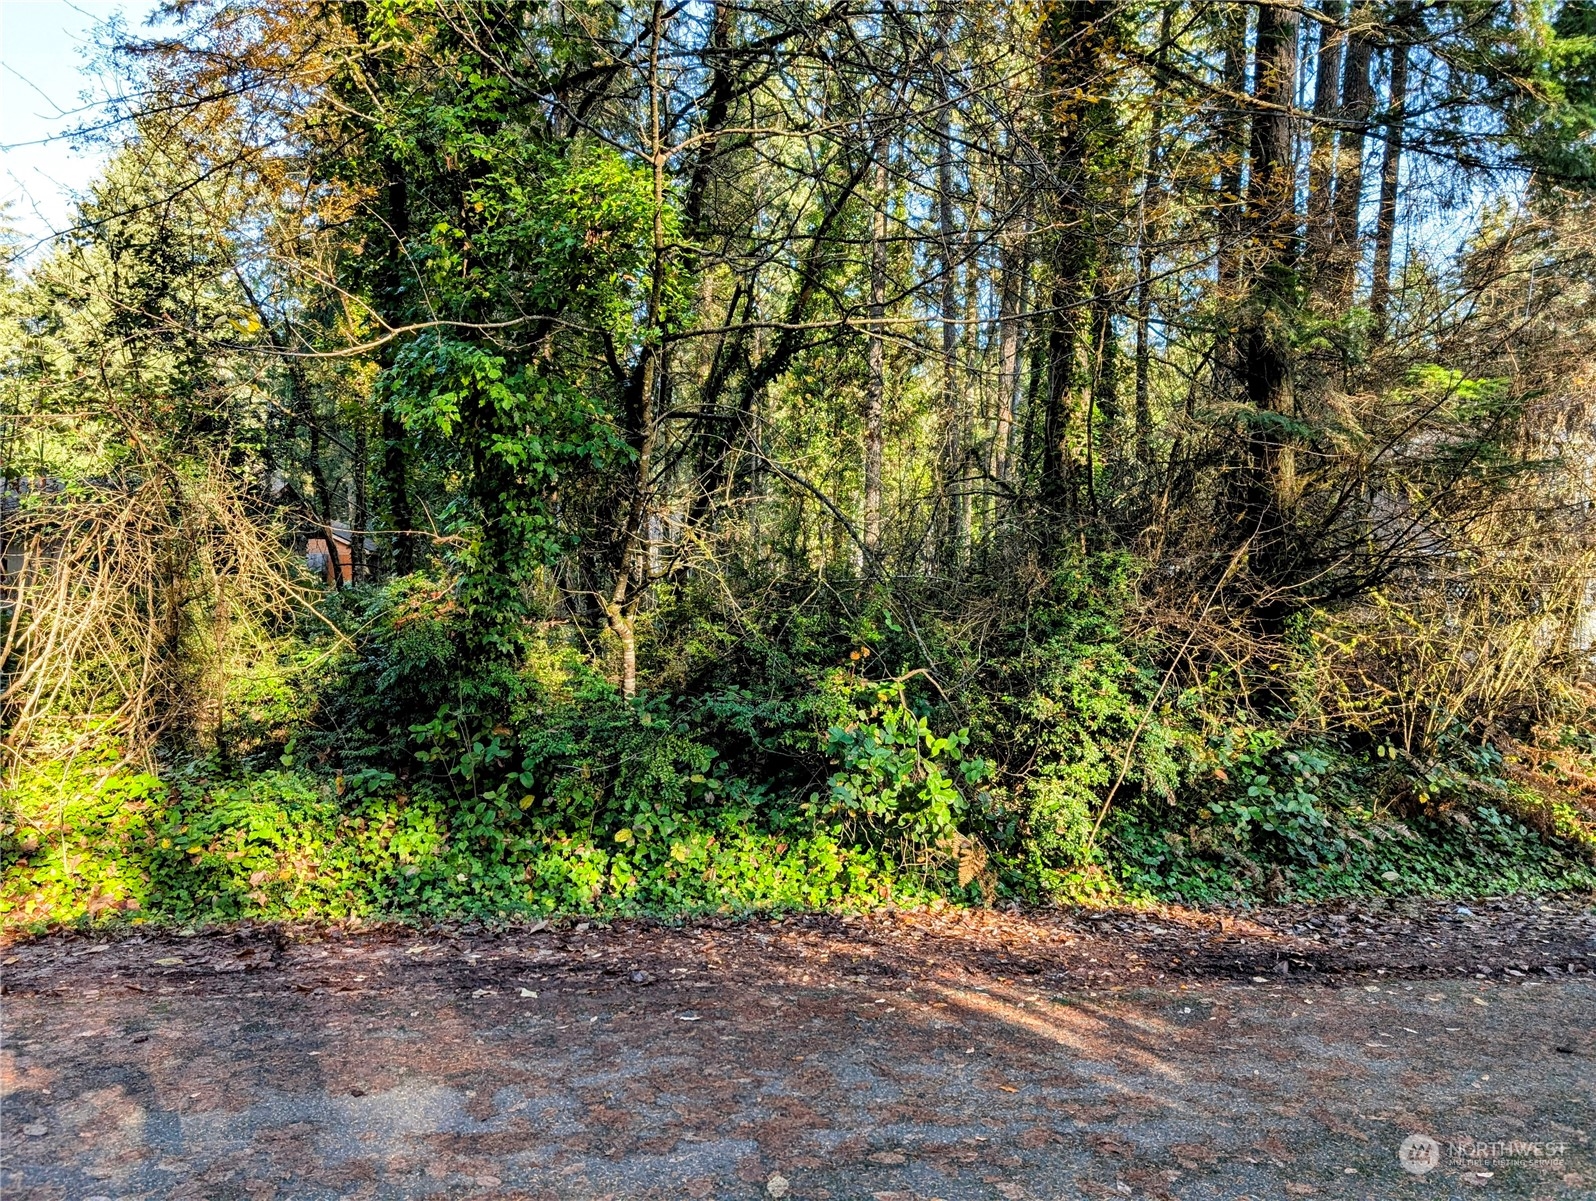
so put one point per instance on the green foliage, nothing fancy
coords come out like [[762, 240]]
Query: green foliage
[[514, 434], [567, 238], [899, 781], [286, 844], [1315, 819], [1069, 707], [385, 775], [1556, 121], [403, 648], [1274, 796], [70, 837], [1484, 854]]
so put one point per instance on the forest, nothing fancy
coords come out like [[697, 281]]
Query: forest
[[473, 457]]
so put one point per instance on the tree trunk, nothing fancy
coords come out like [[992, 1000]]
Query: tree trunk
[[643, 403], [318, 476], [876, 385], [1102, 409], [1321, 154], [1063, 300], [1073, 34], [1148, 214], [1390, 178], [1357, 99], [970, 406], [1263, 482], [359, 518], [1013, 266], [1271, 186], [1144, 354], [1233, 139], [395, 467], [396, 492], [950, 497]]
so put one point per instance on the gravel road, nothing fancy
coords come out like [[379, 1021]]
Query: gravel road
[[1168, 1054]]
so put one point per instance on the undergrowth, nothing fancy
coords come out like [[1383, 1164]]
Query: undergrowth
[[805, 764]]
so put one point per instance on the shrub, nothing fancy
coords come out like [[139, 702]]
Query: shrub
[[899, 784], [283, 844]]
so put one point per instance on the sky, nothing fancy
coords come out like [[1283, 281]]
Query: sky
[[45, 47]]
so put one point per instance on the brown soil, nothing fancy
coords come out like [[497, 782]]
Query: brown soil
[[1057, 1054]]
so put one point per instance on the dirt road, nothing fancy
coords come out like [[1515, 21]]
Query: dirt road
[[1052, 1055]]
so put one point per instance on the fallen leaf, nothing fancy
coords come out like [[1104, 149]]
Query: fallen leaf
[[527, 992], [777, 1185], [1299, 1190], [1112, 1146], [169, 961], [890, 1158], [1274, 1149]]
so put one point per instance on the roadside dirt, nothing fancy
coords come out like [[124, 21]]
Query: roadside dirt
[[1056, 1054]]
